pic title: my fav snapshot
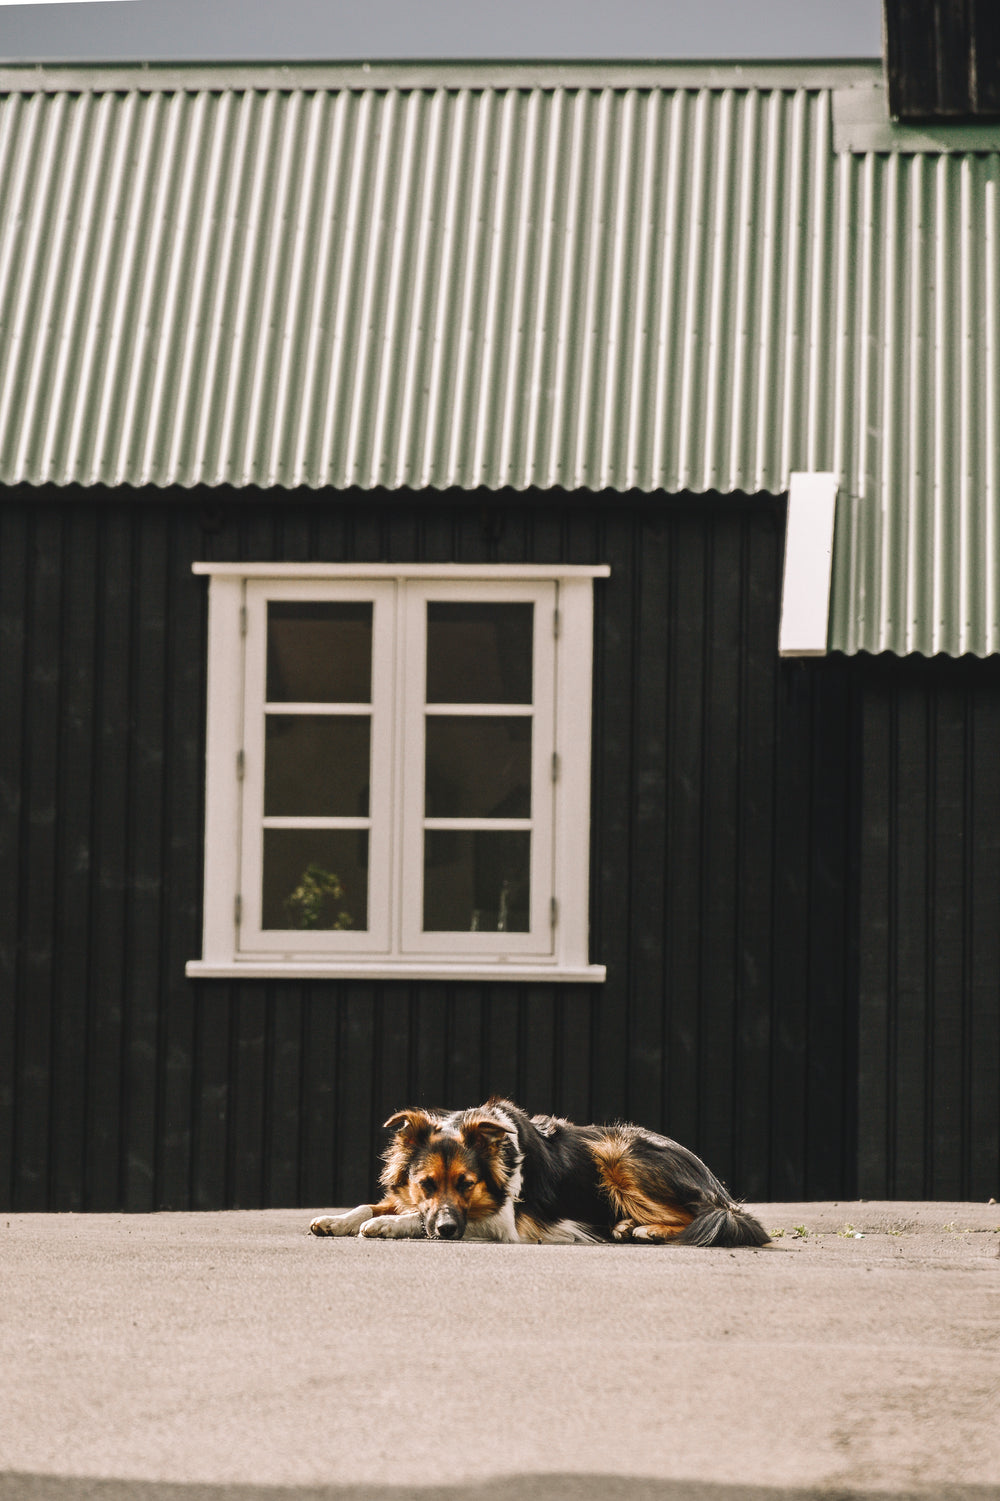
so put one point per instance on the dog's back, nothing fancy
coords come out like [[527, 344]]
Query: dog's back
[[626, 1182]]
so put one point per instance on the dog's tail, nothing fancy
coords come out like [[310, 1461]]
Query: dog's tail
[[723, 1223]]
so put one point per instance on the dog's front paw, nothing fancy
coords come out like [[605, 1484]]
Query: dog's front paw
[[393, 1227], [342, 1224]]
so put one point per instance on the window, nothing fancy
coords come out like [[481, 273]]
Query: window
[[398, 771]]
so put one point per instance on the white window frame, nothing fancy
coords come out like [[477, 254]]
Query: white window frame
[[393, 945]]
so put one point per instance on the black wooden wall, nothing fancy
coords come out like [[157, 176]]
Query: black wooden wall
[[929, 1079], [942, 58], [730, 869]]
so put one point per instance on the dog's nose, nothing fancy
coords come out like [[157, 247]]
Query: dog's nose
[[446, 1229]]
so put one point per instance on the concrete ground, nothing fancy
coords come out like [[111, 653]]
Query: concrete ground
[[234, 1357]]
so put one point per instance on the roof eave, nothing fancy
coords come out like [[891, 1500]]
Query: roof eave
[[75, 77]]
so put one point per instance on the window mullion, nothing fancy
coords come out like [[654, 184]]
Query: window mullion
[[383, 797], [411, 655], [403, 752]]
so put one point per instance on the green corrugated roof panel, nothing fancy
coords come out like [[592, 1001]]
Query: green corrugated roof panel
[[917, 548], [464, 277]]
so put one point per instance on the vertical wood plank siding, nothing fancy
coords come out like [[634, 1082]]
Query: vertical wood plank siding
[[726, 835], [942, 58], [929, 1066]]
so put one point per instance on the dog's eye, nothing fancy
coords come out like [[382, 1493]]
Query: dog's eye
[[428, 1186], [464, 1185]]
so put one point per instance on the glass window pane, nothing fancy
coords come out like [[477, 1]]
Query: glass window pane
[[479, 653], [319, 653], [315, 879], [317, 765], [476, 881], [477, 767]]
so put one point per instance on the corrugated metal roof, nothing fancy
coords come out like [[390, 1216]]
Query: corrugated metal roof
[[918, 526], [671, 285]]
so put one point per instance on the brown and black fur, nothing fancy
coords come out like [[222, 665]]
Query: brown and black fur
[[494, 1173]]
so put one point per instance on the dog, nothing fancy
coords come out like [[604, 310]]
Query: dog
[[494, 1173]]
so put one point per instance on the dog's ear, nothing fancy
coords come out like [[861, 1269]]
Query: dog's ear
[[411, 1125], [484, 1133]]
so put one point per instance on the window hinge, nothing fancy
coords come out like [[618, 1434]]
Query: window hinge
[[241, 765], [556, 766], [238, 909], [553, 910]]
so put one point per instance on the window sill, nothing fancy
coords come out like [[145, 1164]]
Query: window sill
[[311, 969]]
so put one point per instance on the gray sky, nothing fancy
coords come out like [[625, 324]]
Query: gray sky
[[160, 30]]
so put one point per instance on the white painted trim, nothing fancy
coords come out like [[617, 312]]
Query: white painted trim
[[564, 666], [805, 592], [573, 735], [459, 571], [222, 789], [403, 969]]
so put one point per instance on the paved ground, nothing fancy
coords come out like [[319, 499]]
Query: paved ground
[[233, 1357]]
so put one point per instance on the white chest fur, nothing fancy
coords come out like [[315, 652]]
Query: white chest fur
[[499, 1226]]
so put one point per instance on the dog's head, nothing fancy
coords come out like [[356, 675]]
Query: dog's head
[[452, 1169]]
